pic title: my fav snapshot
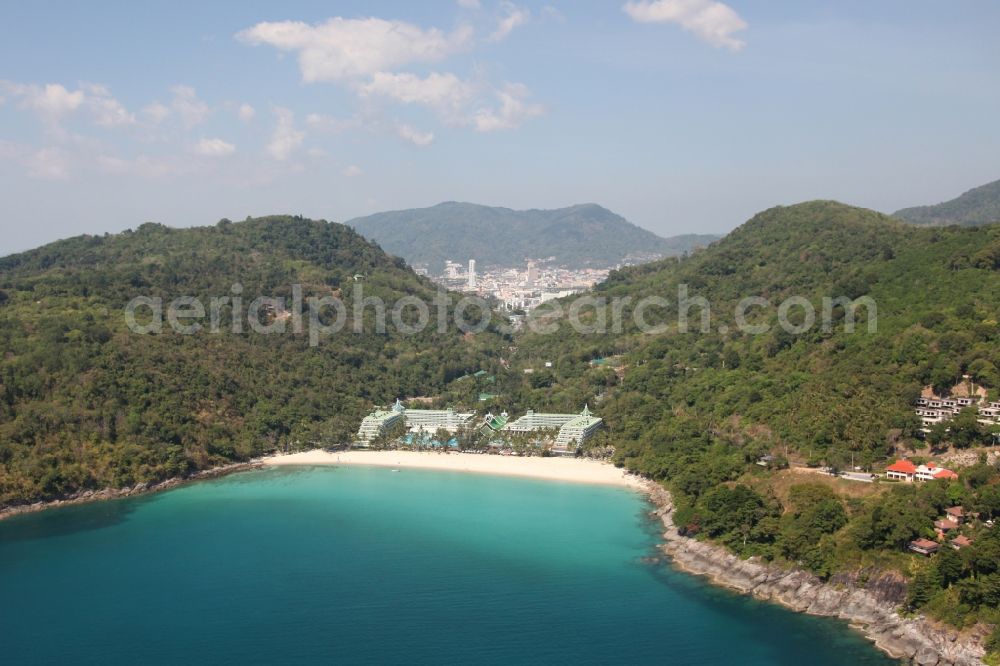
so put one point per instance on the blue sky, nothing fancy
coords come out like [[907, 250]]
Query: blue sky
[[682, 115]]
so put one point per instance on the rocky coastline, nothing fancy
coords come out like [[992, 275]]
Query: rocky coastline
[[86, 496], [870, 604]]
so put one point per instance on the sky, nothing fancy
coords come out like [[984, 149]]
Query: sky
[[685, 116]]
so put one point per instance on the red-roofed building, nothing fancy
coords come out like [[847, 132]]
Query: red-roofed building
[[904, 470], [932, 471], [945, 525], [901, 470], [956, 513], [960, 542], [945, 474]]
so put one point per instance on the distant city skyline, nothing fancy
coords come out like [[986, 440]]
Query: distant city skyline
[[684, 116]]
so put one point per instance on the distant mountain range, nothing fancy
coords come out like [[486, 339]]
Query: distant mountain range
[[976, 207], [581, 235]]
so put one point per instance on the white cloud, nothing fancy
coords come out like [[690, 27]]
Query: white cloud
[[513, 110], [458, 102], [107, 111], [246, 113], [468, 4], [341, 49], [48, 163], [147, 167], [286, 138], [50, 101], [414, 136], [352, 171], [550, 12], [156, 113], [515, 16], [214, 148], [444, 92], [713, 22], [191, 110], [325, 123]]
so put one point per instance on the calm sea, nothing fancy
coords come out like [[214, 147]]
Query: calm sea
[[348, 565]]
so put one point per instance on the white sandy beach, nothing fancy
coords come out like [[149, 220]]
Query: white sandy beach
[[573, 470]]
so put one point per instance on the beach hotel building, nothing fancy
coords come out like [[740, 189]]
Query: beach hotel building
[[432, 420], [574, 429], [423, 421], [376, 424]]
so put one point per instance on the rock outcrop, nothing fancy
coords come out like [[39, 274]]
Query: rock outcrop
[[869, 603]]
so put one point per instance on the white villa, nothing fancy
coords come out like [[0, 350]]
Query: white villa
[[932, 410]]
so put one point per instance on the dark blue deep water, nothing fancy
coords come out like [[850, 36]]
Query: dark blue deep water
[[348, 565]]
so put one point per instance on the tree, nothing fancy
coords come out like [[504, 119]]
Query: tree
[[950, 567], [924, 586]]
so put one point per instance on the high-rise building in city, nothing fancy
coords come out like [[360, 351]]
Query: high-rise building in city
[[472, 273]]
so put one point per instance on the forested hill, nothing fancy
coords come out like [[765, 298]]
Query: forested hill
[[822, 394], [699, 411], [85, 403], [583, 235], [980, 205]]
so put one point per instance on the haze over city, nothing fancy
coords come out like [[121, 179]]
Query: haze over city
[[335, 110]]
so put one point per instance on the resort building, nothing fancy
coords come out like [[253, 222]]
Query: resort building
[[424, 421], [573, 428], [578, 430], [533, 421], [432, 420], [494, 423], [376, 424]]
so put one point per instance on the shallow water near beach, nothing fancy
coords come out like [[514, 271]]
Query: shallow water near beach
[[363, 564]]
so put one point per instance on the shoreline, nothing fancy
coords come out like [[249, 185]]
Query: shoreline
[[567, 470], [88, 496], [869, 606]]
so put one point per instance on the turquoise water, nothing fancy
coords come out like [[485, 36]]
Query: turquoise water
[[352, 565]]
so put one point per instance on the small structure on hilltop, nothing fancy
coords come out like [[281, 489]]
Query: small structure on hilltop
[[960, 542], [942, 527], [924, 547]]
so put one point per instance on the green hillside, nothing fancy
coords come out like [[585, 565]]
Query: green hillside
[[583, 235], [85, 403], [824, 394], [980, 205]]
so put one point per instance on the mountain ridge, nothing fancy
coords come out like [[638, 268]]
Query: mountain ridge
[[584, 234], [978, 206]]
